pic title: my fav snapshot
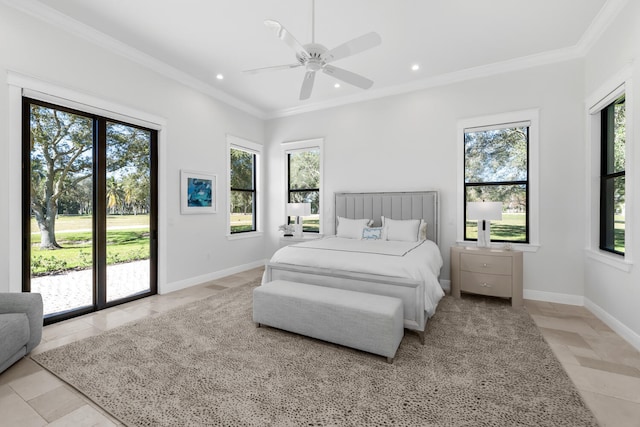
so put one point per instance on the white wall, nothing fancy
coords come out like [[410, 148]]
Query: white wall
[[409, 142], [614, 293], [195, 247]]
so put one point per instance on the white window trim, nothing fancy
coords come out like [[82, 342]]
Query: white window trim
[[499, 120], [611, 90], [21, 84], [255, 148], [303, 145]]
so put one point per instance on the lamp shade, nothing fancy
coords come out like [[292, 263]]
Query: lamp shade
[[484, 210], [298, 209]]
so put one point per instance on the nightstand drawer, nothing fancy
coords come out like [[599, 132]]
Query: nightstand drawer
[[487, 264], [486, 284]]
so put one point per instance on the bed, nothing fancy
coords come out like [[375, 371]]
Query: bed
[[402, 269]]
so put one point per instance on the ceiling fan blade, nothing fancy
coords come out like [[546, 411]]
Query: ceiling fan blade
[[348, 76], [352, 47], [286, 37], [307, 85], [273, 68]]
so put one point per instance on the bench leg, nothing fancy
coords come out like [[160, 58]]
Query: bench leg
[[421, 335], [390, 360], [258, 325]]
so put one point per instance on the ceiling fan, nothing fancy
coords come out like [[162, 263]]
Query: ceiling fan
[[315, 57]]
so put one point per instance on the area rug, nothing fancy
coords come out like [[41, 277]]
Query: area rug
[[484, 364]]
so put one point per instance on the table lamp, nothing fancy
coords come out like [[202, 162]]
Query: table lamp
[[298, 210], [484, 212]]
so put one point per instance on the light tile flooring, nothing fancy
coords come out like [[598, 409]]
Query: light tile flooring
[[605, 368]]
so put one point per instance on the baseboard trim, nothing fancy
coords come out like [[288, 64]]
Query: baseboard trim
[[630, 336], [192, 281], [554, 297]]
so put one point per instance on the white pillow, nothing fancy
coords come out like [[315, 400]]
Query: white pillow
[[407, 230], [351, 228]]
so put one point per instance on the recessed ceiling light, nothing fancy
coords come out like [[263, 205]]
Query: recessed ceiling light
[[337, 85], [415, 67], [219, 76]]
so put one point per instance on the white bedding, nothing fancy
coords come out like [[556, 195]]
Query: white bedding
[[419, 261]]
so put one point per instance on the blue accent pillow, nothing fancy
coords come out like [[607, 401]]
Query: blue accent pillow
[[372, 233]]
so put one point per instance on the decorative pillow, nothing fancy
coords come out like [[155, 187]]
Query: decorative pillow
[[372, 233], [351, 228], [422, 233], [405, 230]]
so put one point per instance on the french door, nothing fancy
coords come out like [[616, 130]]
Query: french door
[[89, 210]]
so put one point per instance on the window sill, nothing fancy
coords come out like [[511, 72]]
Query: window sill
[[248, 235], [611, 260], [522, 247]]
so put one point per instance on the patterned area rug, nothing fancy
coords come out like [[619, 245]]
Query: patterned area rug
[[484, 364]]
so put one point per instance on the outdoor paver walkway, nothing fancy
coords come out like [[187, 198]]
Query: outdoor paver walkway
[[63, 292]]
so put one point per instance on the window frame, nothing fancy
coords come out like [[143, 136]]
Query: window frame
[[299, 146], [605, 176], [618, 85], [498, 121], [22, 85], [238, 143], [525, 182]]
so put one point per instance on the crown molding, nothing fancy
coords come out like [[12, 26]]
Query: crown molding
[[57, 19], [439, 80], [596, 29], [599, 25]]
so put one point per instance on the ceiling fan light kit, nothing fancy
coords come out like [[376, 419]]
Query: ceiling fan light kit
[[315, 57]]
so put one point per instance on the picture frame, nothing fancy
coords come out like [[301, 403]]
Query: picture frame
[[198, 192]]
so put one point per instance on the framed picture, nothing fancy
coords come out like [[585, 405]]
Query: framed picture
[[197, 192]]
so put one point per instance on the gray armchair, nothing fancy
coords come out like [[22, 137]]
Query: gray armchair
[[20, 326]]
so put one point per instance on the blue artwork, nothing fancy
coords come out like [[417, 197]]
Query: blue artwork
[[199, 192]]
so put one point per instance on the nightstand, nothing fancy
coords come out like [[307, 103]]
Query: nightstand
[[290, 240], [487, 271]]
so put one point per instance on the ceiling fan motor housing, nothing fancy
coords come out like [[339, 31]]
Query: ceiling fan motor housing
[[314, 62]]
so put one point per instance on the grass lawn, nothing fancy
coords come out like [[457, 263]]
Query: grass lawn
[[511, 228], [127, 240]]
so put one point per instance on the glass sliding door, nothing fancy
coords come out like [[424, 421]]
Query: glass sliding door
[[128, 208], [60, 201], [89, 210]]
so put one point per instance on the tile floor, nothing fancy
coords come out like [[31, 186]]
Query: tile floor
[[605, 368]]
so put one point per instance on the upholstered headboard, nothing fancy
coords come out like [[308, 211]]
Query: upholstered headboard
[[404, 205]]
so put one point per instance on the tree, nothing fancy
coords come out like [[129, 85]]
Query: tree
[[498, 159], [62, 161], [304, 178], [61, 145]]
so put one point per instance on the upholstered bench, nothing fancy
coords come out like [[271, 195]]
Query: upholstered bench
[[372, 323]]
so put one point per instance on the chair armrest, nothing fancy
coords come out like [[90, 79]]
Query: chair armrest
[[29, 303]]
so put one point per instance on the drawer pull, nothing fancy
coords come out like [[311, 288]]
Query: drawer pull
[[485, 265], [485, 285]]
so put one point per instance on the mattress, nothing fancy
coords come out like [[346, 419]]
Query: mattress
[[420, 261]]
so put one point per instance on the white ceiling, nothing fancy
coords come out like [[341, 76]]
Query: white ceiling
[[193, 40]]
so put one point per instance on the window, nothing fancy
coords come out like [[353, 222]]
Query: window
[[304, 177], [610, 195], [612, 177], [498, 163], [496, 170], [243, 185]]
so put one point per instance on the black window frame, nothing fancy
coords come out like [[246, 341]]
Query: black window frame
[[291, 191], [100, 123], [253, 191], [607, 206], [525, 183]]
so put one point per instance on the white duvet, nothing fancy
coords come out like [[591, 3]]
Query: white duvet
[[419, 261]]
